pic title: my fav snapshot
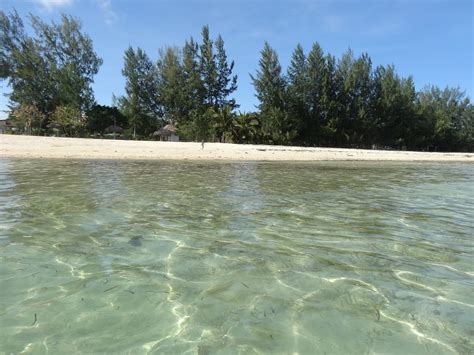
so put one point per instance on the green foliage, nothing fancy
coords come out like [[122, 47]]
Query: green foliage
[[446, 118], [350, 104], [55, 67], [189, 87], [193, 88], [208, 68], [394, 108], [202, 124], [27, 117], [298, 85], [268, 81], [140, 104], [318, 100], [69, 119], [171, 81], [224, 121], [246, 128], [270, 87], [226, 82], [99, 117]]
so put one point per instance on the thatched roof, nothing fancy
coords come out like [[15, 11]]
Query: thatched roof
[[53, 125], [113, 129], [170, 127], [165, 131]]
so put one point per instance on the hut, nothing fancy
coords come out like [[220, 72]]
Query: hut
[[5, 125], [113, 129], [54, 127], [167, 133]]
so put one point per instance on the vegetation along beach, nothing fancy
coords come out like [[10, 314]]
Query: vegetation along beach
[[238, 177]]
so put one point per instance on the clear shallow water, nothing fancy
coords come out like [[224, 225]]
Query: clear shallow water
[[102, 256]]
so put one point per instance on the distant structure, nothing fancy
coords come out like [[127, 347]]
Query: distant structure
[[5, 125], [113, 130], [167, 133]]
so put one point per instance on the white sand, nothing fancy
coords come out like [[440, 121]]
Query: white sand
[[79, 148]]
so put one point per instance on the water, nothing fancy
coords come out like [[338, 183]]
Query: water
[[188, 257]]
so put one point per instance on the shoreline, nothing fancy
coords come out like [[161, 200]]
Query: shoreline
[[16, 146]]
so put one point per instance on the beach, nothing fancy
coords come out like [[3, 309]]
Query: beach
[[13, 146]]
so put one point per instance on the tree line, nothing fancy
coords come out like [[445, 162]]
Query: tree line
[[317, 101], [349, 103]]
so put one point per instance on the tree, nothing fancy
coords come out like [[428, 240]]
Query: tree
[[140, 104], [270, 87], [246, 128], [202, 124], [208, 69], [25, 117], [329, 103], [316, 74], [394, 107], [69, 118], [359, 87], [56, 67], [448, 118], [298, 92], [99, 117], [170, 85], [226, 82], [216, 73], [224, 123], [193, 87]]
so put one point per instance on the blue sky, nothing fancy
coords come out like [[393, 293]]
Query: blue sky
[[432, 40]]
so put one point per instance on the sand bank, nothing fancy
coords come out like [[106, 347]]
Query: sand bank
[[79, 148]]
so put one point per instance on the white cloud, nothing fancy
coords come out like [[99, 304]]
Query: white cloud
[[106, 8], [52, 4]]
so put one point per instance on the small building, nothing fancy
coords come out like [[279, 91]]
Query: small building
[[5, 125], [167, 133], [113, 130]]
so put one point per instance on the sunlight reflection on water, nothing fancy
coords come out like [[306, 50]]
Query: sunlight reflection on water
[[174, 257]]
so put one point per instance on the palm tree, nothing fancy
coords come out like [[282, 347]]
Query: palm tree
[[224, 121], [246, 128]]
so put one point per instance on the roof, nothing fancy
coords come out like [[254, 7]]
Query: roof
[[113, 129], [167, 130], [5, 122], [170, 127]]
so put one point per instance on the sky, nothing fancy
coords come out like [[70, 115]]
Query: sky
[[432, 40]]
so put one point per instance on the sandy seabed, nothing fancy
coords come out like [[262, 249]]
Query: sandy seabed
[[12, 146]]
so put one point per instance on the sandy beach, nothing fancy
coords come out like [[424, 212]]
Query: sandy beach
[[78, 148]]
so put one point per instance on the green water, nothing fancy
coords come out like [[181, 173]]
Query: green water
[[197, 258]]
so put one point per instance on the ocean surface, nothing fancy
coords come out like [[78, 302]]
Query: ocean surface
[[226, 258]]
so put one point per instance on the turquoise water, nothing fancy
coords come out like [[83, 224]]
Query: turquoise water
[[197, 258]]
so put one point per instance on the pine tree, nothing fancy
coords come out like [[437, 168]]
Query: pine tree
[[329, 103], [359, 87], [316, 74], [193, 87], [226, 83], [208, 69], [393, 107], [343, 125], [140, 104], [171, 83], [270, 87], [298, 92]]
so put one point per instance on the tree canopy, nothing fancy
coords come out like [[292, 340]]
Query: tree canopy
[[349, 103], [54, 67], [318, 100]]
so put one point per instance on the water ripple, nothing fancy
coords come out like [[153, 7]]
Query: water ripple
[[301, 258]]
